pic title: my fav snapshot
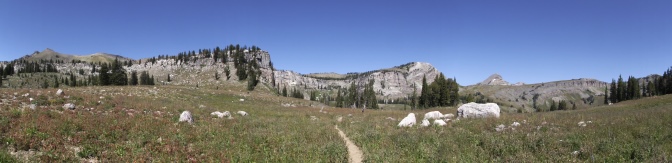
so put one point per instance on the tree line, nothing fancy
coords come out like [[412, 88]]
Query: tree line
[[441, 92], [620, 90]]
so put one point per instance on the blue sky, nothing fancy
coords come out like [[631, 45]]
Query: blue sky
[[527, 41]]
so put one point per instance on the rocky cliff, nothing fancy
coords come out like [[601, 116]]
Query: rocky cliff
[[389, 83], [583, 92], [201, 70]]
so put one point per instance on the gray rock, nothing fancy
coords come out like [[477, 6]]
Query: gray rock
[[59, 92], [409, 121], [474, 110], [186, 117], [70, 106]]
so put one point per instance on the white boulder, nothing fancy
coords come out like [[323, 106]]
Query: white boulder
[[474, 110], [59, 92], [439, 122], [500, 128], [515, 124], [433, 115], [70, 106], [221, 114], [186, 117], [582, 124], [243, 113], [424, 123], [449, 116], [409, 121]]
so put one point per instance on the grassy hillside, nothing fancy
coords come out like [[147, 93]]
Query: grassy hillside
[[133, 124]]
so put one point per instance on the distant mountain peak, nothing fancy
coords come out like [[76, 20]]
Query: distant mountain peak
[[494, 79]]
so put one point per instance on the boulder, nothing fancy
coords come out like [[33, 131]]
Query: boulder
[[59, 92], [218, 114], [449, 116], [69, 106], [474, 110], [243, 113], [186, 117], [424, 123], [433, 115], [439, 122], [409, 121]]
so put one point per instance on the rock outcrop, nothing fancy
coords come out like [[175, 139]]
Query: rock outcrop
[[474, 110], [186, 117], [408, 121], [391, 83]]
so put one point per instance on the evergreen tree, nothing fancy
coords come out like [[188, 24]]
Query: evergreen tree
[[339, 99], [352, 96], [613, 92], [414, 98], [118, 75], [168, 79], [73, 80], [103, 75], [227, 72], [134, 78], [252, 80], [424, 92], [56, 84], [284, 91], [574, 106], [621, 89], [606, 96], [553, 106], [562, 105]]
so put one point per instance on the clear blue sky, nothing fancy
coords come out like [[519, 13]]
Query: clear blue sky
[[530, 41]]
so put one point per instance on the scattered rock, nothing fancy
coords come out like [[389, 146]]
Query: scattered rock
[[33, 106], [339, 119], [515, 124], [69, 106], [433, 115], [582, 124], [409, 121], [201, 106], [500, 128], [474, 110], [242, 100], [221, 114], [313, 118], [449, 116], [186, 117], [424, 123], [242, 113], [59, 92], [575, 153], [439, 122], [390, 118]]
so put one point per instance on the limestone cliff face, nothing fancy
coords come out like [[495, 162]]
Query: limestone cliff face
[[199, 70], [389, 83]]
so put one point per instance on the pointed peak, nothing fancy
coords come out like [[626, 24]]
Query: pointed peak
[[494, 79], [48, 50]]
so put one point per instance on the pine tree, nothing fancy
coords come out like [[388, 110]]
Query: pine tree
[[134, 78], [613, 92], [553, 106], [424, 93], [621, 89], [606, 96], [339, 99], [168, 79], [252, 80], [284, 91]]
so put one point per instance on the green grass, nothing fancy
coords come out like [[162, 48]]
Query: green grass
[[138, 124]]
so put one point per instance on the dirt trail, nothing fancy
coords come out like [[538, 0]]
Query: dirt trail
[[355, 155]]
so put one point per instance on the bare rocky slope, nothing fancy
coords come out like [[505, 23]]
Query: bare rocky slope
[[583, 92], [390, 83]]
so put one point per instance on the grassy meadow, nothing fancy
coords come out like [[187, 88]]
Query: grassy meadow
[[140, 124]]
